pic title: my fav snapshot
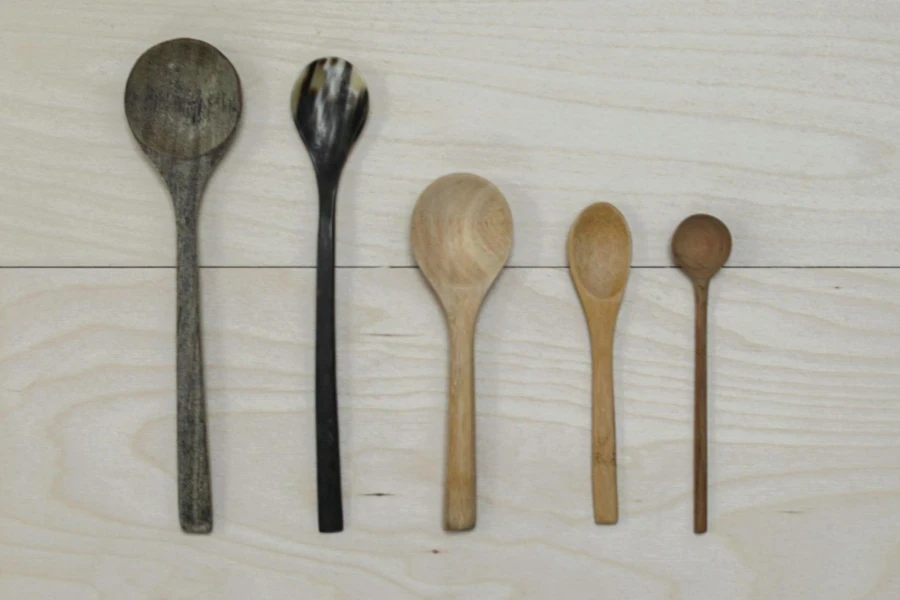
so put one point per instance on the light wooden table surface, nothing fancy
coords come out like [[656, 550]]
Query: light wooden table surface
[[781, 118]]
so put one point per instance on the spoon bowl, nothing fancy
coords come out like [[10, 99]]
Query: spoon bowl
[[461, 237], [600, 251], [183, 99], [701, 245], [330, 105]]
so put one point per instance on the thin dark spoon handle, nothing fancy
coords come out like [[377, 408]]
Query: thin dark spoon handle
[[194, 494], [701, 300], [328, 456]]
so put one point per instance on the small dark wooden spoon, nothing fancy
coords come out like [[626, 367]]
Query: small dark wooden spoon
[[701, 246], [183, 103], [330, 104]]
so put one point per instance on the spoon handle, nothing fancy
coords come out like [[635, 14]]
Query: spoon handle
[[194, 494], [459, 486], [328, 454], [603, 422], [701, 300]]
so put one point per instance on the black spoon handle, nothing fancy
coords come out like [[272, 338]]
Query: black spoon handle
[[194, 494], [328, 456]]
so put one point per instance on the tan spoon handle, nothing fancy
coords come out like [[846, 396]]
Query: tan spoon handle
[[603, 424], [459, 487], [701, 300]]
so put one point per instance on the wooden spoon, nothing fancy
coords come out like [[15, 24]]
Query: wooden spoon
[[183, 103], [701, 246], [330, 103], [600, 260], [461, 237]]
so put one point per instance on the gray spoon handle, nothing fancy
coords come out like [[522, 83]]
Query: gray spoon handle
[[194, 496], [186, 181]]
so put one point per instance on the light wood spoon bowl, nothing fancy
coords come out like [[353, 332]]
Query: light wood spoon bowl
[[701, 245], [461, 238], [600, 260]]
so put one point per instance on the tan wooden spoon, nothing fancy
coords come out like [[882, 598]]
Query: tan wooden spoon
[[599, 261], [461, 237], [701, 246]]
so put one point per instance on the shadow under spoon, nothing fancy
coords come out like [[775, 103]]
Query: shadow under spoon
[[330, 104], [183, 103]]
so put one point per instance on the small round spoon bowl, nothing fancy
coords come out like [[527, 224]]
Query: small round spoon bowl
[[599, 252], [183, 104], [701, 246], [461, 238]]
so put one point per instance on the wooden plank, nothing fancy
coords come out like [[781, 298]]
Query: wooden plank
[[804, 467], [780, 118]]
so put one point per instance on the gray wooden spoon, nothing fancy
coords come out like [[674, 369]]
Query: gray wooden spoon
[[183, 103]]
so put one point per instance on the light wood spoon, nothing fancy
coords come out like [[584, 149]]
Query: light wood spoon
[[183, 103], [701, 246], [600, 260], [461, 237]]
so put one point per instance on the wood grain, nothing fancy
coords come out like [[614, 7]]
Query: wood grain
[[805, 464], [781, 118], [770, 115]]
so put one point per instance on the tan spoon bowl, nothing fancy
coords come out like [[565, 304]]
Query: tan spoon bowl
[[461, 238], [600, 260]]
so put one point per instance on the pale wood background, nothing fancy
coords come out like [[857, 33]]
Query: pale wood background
[[780, 118]]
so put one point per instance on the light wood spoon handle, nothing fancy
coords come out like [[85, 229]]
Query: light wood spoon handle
[[603, 428], [459, 488], [701, 300]]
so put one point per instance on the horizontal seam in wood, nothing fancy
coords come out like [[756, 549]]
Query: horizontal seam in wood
[[413, 267]]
